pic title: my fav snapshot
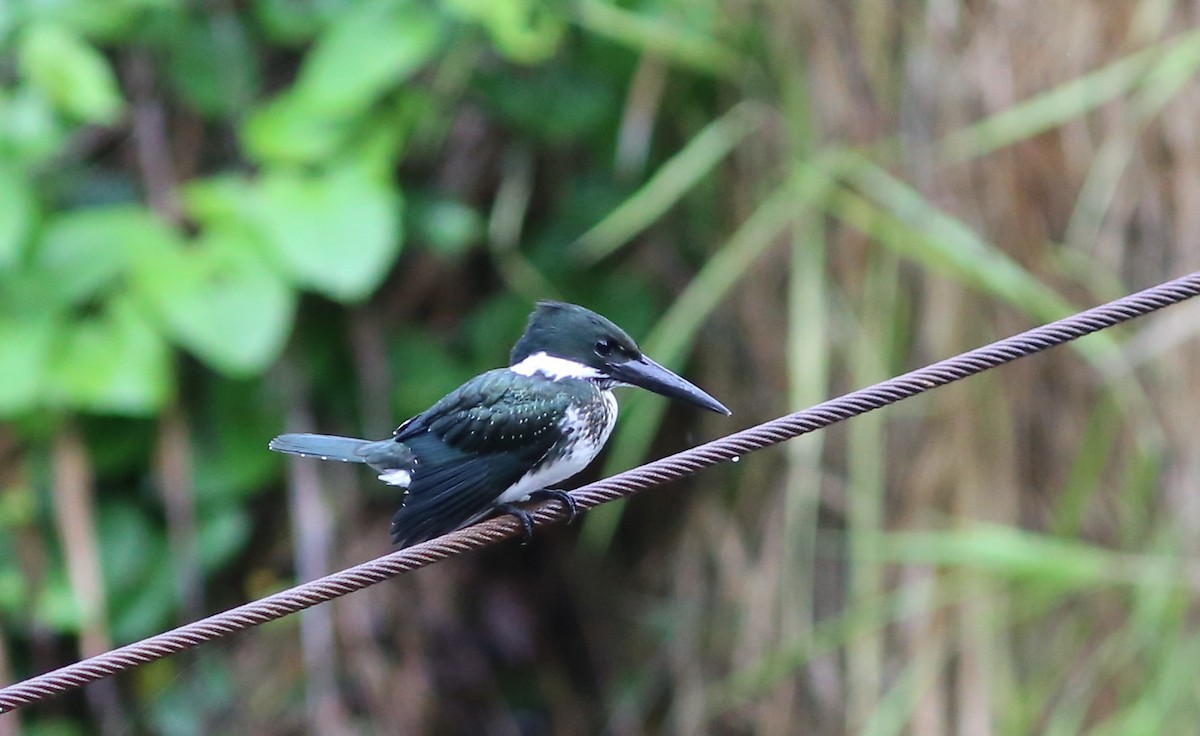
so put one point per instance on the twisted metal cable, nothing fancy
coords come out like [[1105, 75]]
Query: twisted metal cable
[[623, 484]]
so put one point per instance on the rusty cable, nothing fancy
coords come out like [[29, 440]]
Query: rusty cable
[[684, 463]]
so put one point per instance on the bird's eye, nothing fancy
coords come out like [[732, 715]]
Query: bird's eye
[[604, 348]]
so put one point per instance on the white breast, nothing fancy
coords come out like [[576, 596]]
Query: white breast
[[585, 449]]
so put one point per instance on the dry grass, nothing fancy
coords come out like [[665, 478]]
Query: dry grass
[[861, 189], [871, 223], [960, 630]]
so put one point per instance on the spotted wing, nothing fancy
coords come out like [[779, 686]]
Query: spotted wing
[[473, 445]]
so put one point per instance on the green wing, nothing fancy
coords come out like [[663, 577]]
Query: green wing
[[472, 445]]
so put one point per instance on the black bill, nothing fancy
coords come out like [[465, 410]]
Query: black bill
[[651, 376]]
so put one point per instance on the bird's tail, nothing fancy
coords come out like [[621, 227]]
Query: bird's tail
[[394, 460], [323, 446]]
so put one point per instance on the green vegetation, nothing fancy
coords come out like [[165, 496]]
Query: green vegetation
[[221, 220]]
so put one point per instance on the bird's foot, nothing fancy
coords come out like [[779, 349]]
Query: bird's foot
[[523, 516], [566, 499], [526, 518]]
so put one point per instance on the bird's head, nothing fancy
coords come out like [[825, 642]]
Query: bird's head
[[567, 341]]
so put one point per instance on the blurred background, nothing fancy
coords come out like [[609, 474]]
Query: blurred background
[[224, 219]]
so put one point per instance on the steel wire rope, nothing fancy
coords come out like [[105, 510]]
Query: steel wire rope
[[687, 462]]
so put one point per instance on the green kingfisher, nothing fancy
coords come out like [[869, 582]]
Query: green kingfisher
[[508, 435]]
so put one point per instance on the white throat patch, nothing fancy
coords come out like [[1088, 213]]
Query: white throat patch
[[553, 368]]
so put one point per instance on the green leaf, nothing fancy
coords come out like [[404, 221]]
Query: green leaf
[[230, 466], [446, 225], [81, 254], [220, 299], [147, 608], [555, 104], [18, 507], [13, 590], [25, 348], [16, 213], [84, 251], [70, 72], [425, 371], [337, 232], [112, 363], [107, 19], [288, 22], [287, 130], [30, 132], [219, 200], [370, 49], [527, 31], [222, 534], [213, 63], [128, 542], [56, 607], [373, 46], [138, 570]]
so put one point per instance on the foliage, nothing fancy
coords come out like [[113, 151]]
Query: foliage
[[220, 220]]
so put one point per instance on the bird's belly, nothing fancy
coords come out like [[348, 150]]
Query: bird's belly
[[580, 450]]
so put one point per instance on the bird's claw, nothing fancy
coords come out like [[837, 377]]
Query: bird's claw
[[523, 516], [526, 518], [566, 499]]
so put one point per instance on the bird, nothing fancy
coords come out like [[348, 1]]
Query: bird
[[509, 435]]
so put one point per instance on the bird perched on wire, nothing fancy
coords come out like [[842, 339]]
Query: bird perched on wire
[[507, 435]]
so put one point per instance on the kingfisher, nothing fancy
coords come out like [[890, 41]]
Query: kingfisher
[[508, 435]]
